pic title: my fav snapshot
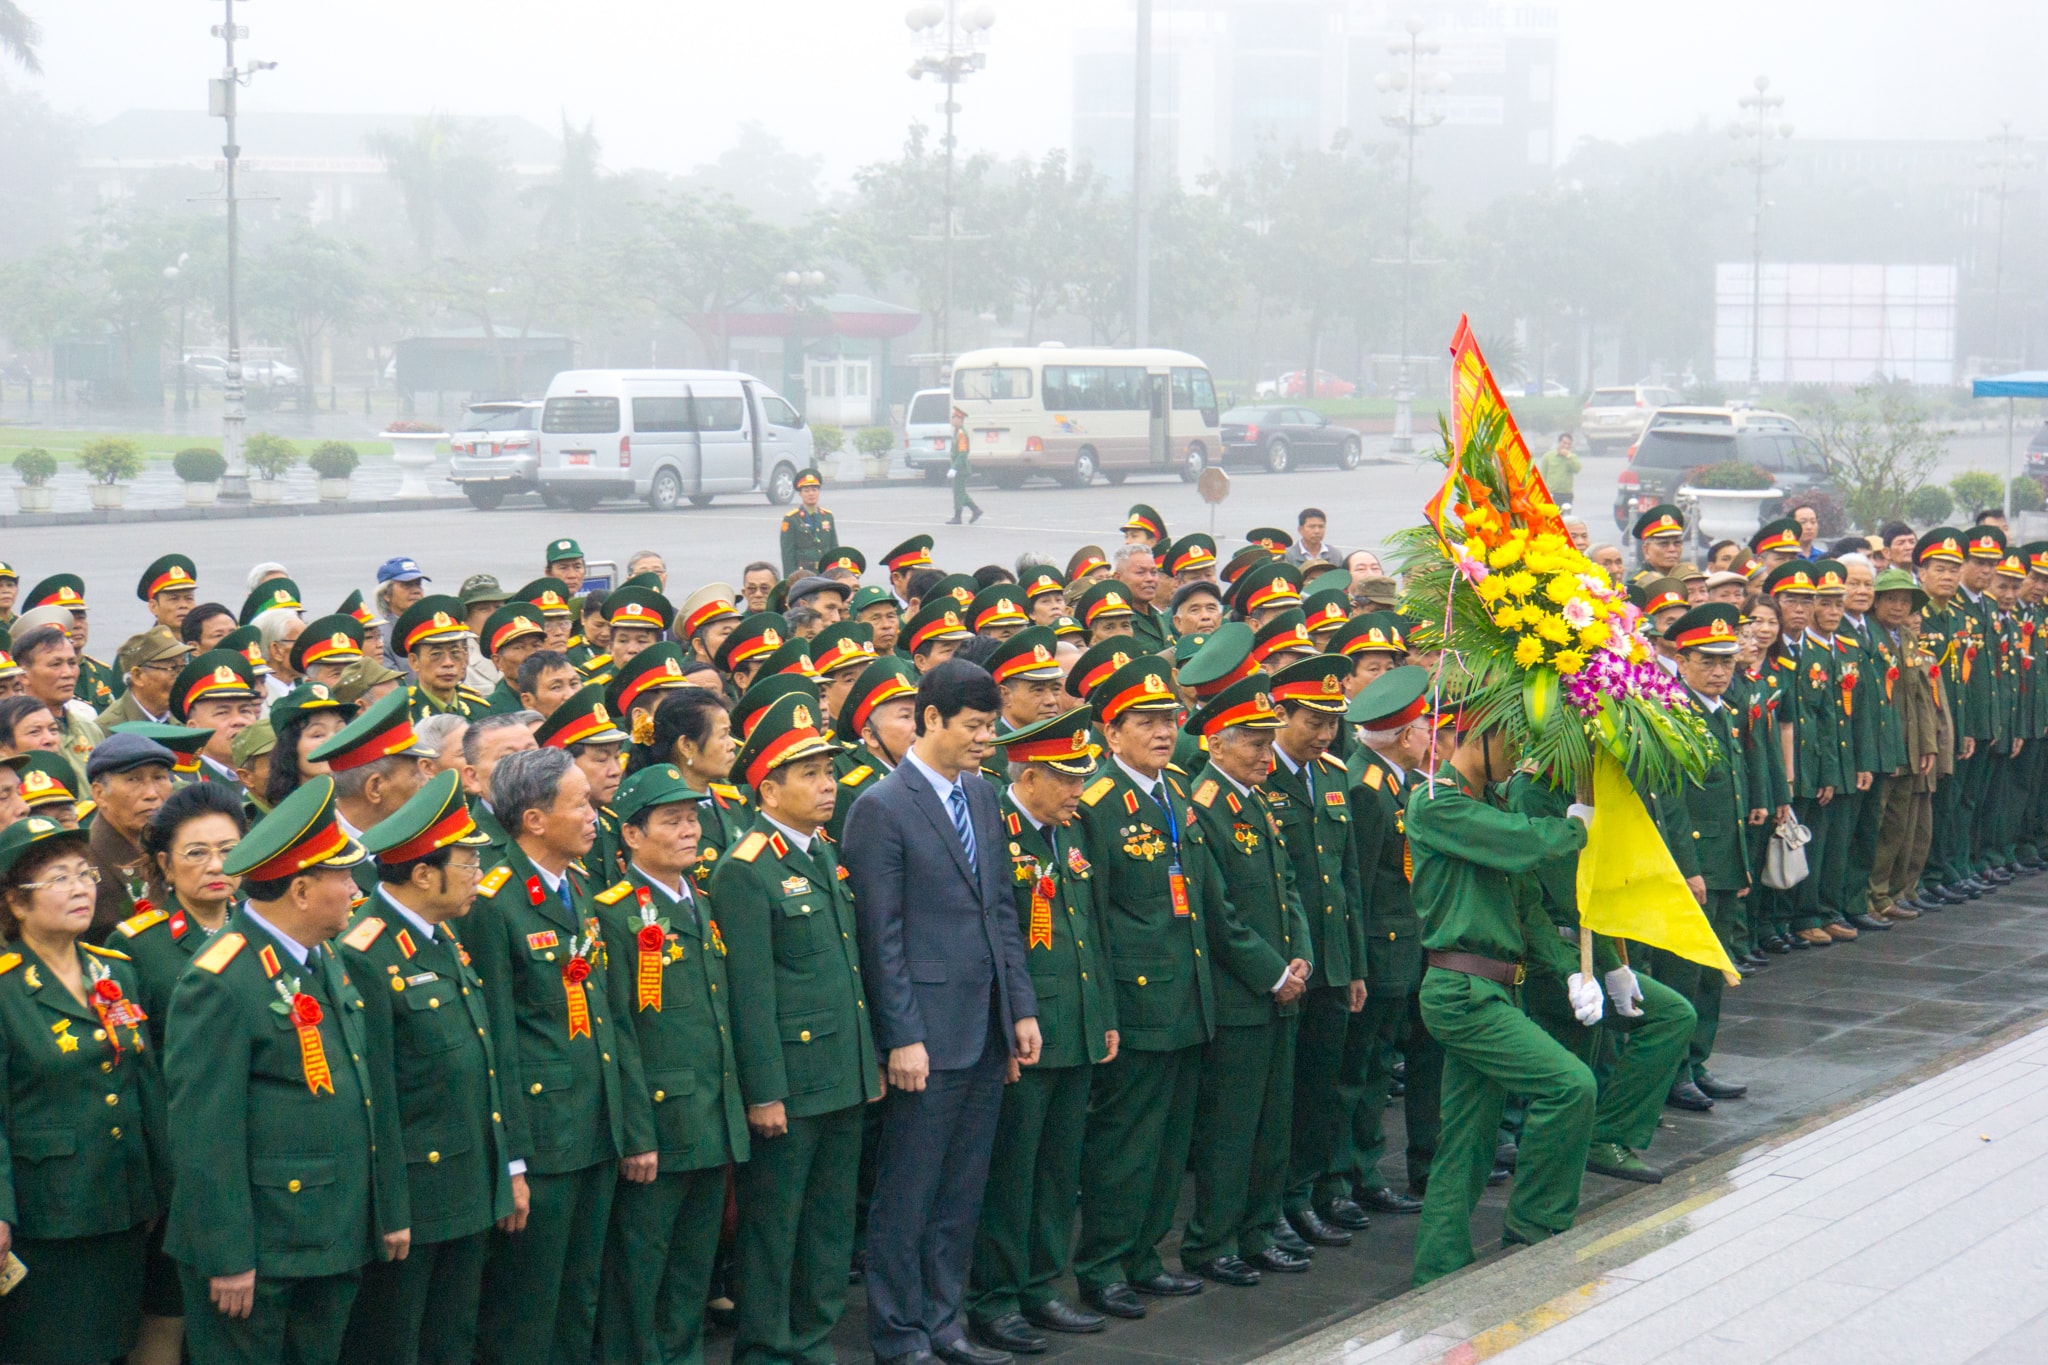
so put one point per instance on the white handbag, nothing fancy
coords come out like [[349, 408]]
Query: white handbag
[[1785, 860]]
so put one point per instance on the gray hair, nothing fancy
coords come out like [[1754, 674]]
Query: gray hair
[[1856, 560], [435, 730], [528, 780], [1380, 738], [32, 642], [642, 557], [1031, 562], [473, 738], [1127, 551], [270, 624], [263, 571]]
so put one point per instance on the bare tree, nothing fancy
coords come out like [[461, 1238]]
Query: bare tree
[[1879, 447]]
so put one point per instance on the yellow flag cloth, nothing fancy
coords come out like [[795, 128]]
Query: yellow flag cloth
[[1629, 887]]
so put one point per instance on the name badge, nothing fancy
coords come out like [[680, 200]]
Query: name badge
[[1178, 882]]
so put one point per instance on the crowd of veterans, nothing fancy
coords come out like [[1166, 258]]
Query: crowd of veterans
[[558, 973]]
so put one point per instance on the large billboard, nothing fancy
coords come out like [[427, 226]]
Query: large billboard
[[1836, 323]]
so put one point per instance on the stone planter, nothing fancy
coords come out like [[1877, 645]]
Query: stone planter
[[334, 490], [270, 491], [35, 498], [413, 453], [1728, 513], [108, 496], [204, 494], [874, 468]]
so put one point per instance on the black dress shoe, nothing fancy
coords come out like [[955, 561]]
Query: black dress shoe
[[1997, 876], [1686, 1095], [1057, 1315], [1715, 1088], [1167, 1285], [1778, 944], [1343, 1212], [1286, 1262], [1316, 1232], [1796, 943], [1868, 921], [1117, 1300], [1386, 1199], [1282, 1234], [961, 1351], [1228, 1270], [1011, 1332]]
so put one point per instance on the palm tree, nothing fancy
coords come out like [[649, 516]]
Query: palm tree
[[19, 35]]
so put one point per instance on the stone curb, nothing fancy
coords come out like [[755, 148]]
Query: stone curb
[[229, 512]]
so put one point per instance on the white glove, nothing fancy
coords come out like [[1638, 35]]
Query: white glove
[[1580, 812], [1585, 998], [1626, 993]]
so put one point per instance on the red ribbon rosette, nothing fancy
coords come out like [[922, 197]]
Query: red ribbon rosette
[[305, 1017], [574, 973], [652, 940]]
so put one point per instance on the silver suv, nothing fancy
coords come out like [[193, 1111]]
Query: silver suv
[[496, 452], [1614, 417]]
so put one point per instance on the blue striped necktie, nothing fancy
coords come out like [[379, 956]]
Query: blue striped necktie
[[956, 806]]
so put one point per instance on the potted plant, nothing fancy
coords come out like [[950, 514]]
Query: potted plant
[[201, 468], [111, 461], [413, 444], [334, 461], [36, 467], [269, 455], [1730, 499], [874, 445]]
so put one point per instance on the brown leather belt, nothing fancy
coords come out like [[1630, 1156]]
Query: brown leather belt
[[1471, 964]]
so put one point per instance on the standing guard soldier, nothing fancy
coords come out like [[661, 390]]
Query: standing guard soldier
[[808, 536], [806, 1053], [429, 1035], [664, 1235], [1307, 793], [568, 1069], [1260, 939], [285, 1140], [1025, 1240], [1159, 889], [962, 457]]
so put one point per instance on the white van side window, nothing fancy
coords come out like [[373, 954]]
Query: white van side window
[[718, 414], [579, 416], [780, 414], [661, 414]]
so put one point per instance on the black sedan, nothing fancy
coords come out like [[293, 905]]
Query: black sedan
[[1278, 438]]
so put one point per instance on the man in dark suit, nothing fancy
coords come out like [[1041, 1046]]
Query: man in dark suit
[[951, 1003]]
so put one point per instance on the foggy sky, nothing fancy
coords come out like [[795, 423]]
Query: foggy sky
[[669, 81]]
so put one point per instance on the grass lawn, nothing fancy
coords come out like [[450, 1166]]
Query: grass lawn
[[156, 445]]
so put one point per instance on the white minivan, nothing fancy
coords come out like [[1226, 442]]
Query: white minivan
[[665, 435]]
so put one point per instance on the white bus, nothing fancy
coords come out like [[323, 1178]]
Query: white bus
[[1071, 413]]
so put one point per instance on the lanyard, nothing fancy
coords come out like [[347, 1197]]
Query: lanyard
[[1172, 825]]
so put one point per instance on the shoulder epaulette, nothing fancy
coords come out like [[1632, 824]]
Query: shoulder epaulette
[[494, 880], [363, 935], [612, 895], [1097, 789], [219, 953], [135, 924], [1374, 778], [855, 776], [9, 962], [1205, 795], [749, 848], [1331, 760], [1176, 768], [1174, 786], [114, 953], [595, 663], [726, 791], [465, 690], [1013, 824]]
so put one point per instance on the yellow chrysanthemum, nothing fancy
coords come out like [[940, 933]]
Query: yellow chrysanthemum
[[1569, 661], [1561, 589], [1491, 589], [1529, 653], [1505, 554], [1553, 629], [1521, 583], [1507, 618], [1551, 541], [1593, 636]]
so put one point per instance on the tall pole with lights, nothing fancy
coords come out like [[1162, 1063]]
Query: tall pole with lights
[[952, 44], [1141, 181], [222, 101], [1759, 132], [1409, 119]]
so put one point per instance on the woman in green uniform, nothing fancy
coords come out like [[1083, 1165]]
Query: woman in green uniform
[[693, 730], [81, 1113], [185, 848]]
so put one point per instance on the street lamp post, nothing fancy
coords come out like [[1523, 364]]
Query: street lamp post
[[222, 93], [2007, 155], [950, 53], [1409, 121], [1759, 130], [797, 288]]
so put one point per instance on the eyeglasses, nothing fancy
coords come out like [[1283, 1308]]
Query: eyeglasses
[[445, 653], [89, 876], [202, 853], [470, 868]]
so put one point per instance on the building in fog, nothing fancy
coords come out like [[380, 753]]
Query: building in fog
[[1232, 75]]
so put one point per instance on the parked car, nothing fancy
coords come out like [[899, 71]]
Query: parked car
[[1681, 440], [1289, 385], [2037, 454], [1278, 438], [1614, 417], [928, 433], [496, 452], [211, 371]]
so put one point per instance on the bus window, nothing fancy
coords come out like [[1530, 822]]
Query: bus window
[[1192, 389], [1075, 388], [1127, 389], [1004, 382]]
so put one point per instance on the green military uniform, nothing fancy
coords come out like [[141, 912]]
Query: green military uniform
[[1023, 1245], [802, 1040], [1719, 805], [493, 852], [429, 1031], [83, 1166], [858, 767], [963, 450], [1945, 638], [723, 817], [1880, 747], [569, 1073], [664, 1235], [160, 945], [1159, 890], [99, 686], [808, 535], [1244, 1106], [1977, 716], [1464, 853], [435, 619], [1150, 628], [289, 1155]]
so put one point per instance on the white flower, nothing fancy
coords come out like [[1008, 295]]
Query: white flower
[[1578, 613]]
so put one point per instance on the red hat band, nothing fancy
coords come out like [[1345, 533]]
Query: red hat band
[[443, 832], [886, 692], [394, 740], [173, 577], [713, 610], [310, 850]]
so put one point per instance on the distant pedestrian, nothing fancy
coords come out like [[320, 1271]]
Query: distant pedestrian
[[962, 449], [1559, 467]]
